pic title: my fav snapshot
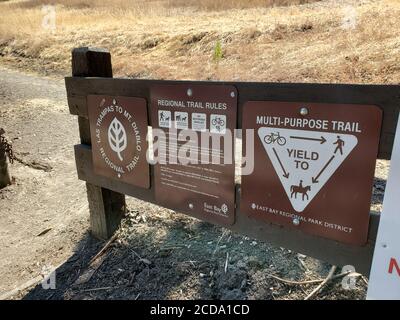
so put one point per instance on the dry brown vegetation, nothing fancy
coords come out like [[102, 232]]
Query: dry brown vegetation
[[163, 4], [260, 40]]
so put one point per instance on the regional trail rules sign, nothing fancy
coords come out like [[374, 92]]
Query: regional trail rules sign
[[313, 169]]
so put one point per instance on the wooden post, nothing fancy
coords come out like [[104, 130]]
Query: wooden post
[[106, 207]]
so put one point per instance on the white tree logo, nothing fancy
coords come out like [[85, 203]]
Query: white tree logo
[[117, 137], [224, 208]]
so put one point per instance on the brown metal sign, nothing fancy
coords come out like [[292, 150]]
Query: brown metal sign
[[190, 119], [314, 166], [118, 128]]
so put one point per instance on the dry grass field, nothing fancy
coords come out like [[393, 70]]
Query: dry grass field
[[260, 40]]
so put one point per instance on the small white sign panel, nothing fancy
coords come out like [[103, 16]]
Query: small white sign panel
[[199, 121], [181, 120], [164, 118], [384, 281], [305, 160], [218, 123]]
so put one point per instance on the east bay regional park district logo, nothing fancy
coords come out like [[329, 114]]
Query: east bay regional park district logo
[[118, 138], [305, 160]]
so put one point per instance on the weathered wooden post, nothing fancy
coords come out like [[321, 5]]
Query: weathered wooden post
[[106, 207], [5, 179]]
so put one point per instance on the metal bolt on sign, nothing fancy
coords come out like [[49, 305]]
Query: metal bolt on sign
[[304, 111], [296, 221], [189, 92]]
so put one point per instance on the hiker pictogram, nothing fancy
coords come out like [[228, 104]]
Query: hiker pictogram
[[305, 160], [339, 145], [164, 118]]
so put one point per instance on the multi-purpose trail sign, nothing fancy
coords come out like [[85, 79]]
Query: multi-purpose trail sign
[[314, 166]]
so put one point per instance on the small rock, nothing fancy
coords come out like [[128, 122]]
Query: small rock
[[145, 261], [243, 284], [254, 262]]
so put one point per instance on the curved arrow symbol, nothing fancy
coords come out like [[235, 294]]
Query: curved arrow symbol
[[322, 139], [285, 174], [315, 180]]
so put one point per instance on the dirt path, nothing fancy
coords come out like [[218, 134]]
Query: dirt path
[[34, 114], [158, 254]]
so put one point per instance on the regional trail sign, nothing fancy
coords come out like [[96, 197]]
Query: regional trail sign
[[118, 128], [206, 113], [314, 166]]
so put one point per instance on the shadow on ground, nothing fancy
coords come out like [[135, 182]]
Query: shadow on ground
[[183, 258]]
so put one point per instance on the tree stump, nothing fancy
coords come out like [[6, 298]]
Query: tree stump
[[5, 178]]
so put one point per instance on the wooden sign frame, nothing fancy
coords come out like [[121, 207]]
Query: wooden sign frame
[[92, 73]]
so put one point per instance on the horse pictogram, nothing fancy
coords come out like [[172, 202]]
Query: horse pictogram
[[180, 118], [299, 189]]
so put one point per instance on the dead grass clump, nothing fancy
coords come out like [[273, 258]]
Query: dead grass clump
[[251, 33], [193, 38], [150, 43]]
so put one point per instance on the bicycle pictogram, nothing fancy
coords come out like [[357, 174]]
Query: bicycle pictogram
[[275, 137], [218, 122]]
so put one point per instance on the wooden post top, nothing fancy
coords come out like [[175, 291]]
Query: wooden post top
[[91, 62]]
